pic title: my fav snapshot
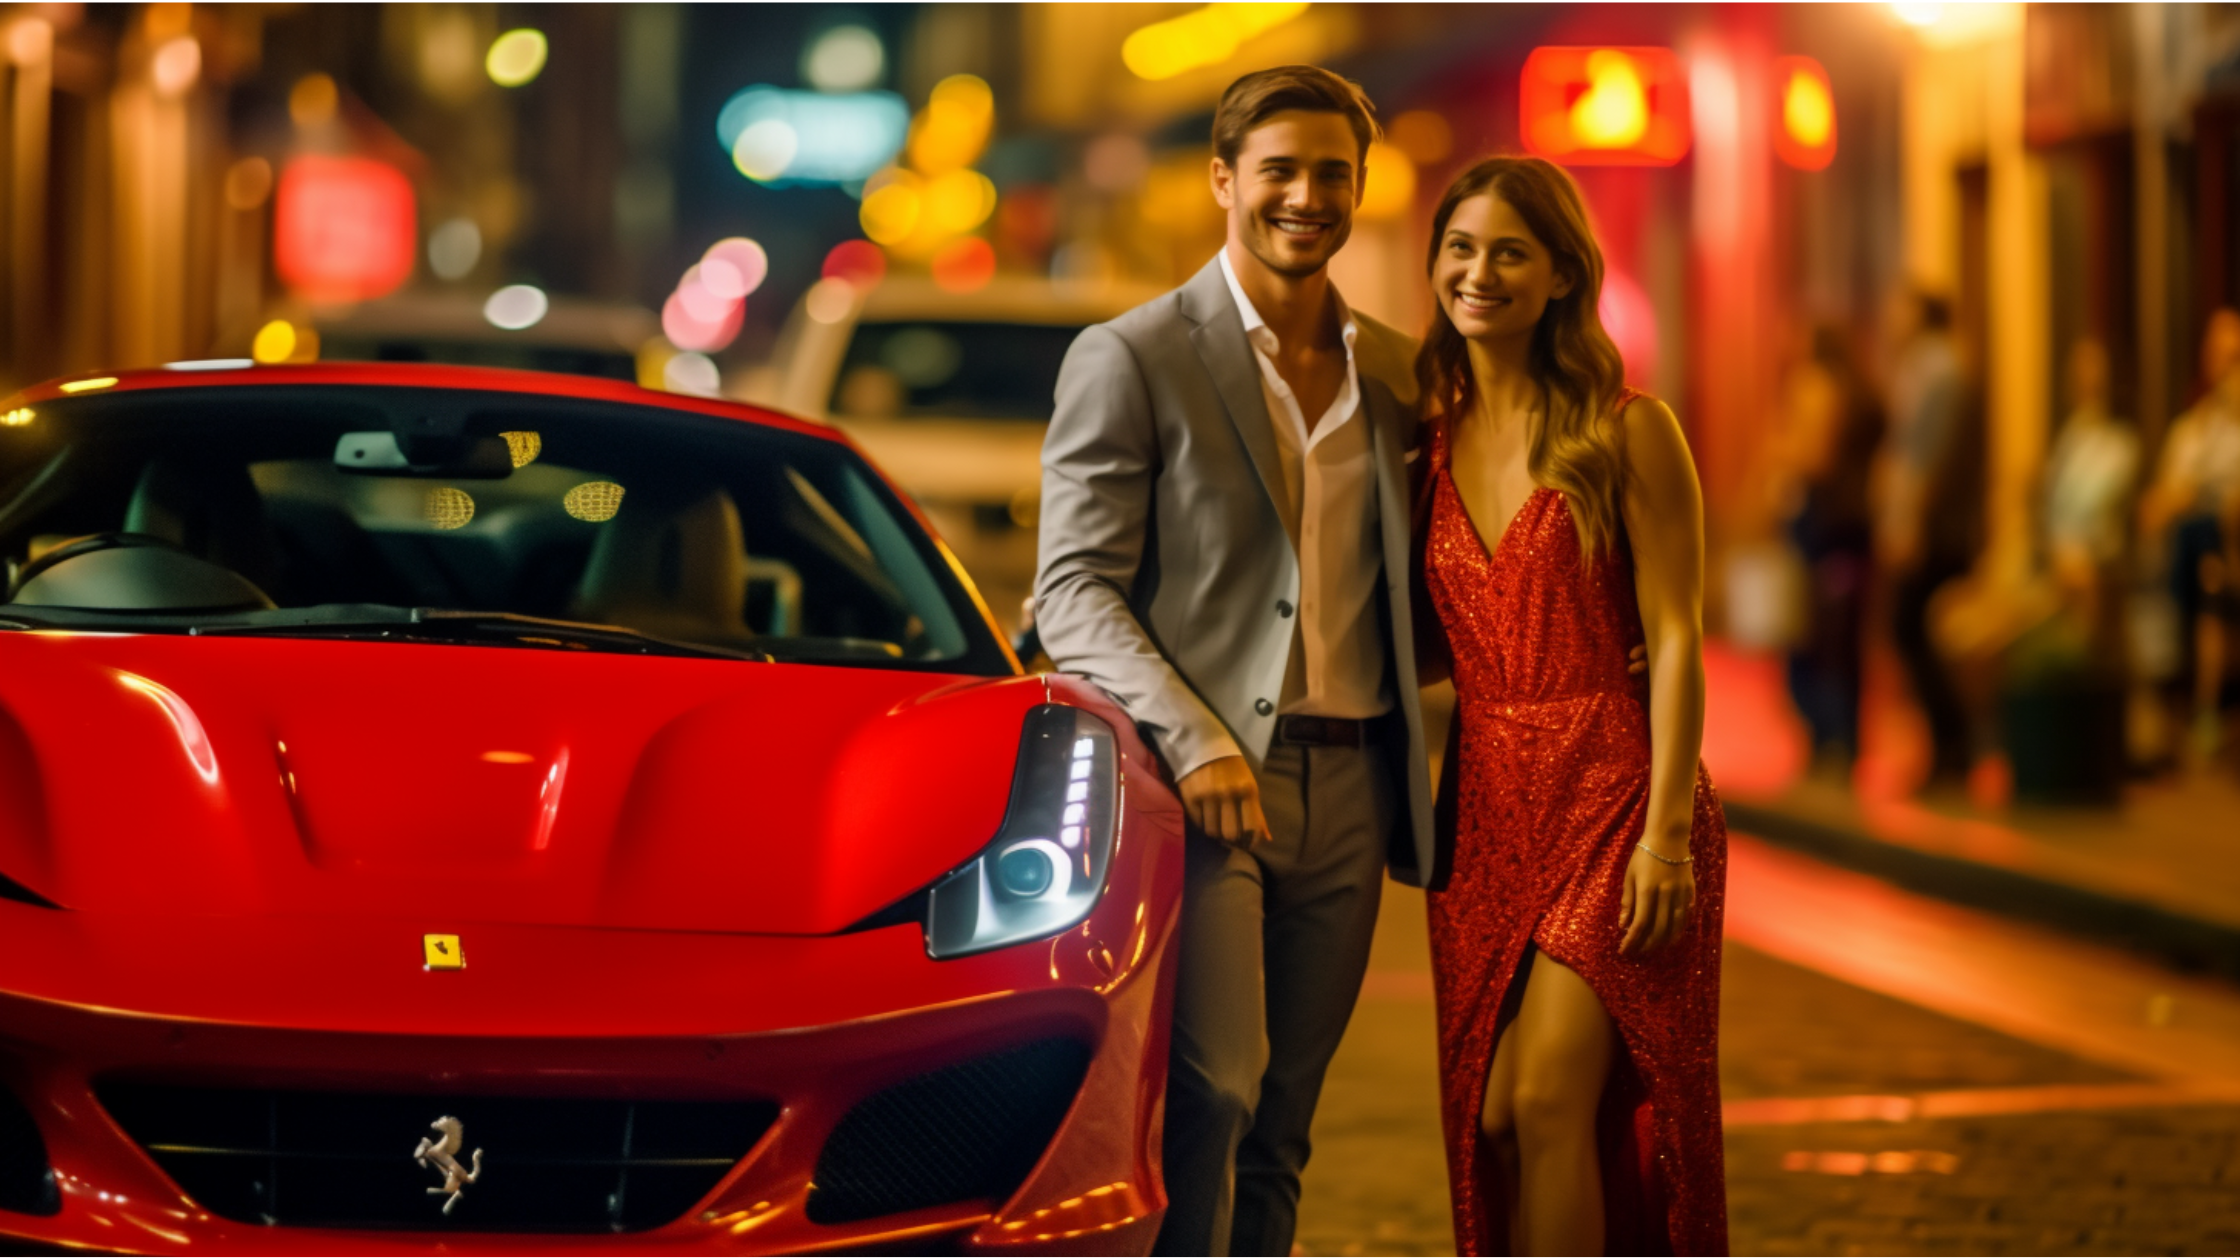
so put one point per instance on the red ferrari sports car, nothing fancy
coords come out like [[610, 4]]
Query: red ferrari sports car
[[446, 809]]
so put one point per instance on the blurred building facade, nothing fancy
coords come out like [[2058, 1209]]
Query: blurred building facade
[[2060, 170]]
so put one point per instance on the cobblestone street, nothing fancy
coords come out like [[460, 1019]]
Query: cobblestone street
[[1864, 1117]]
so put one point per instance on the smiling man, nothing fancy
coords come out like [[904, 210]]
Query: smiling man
[[1224, 548]]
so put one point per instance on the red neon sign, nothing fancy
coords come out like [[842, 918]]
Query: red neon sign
[[1605, 106], [343, 228], [1806, 138]]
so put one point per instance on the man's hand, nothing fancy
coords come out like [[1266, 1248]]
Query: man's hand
[[1223, 801], [1637, 661]]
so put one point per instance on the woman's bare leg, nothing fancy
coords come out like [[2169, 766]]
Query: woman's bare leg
[[1496, 1120], [1542, 1092]]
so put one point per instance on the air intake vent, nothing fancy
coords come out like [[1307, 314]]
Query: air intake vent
[[345, 1160], [26, 1182], [972, 1131]]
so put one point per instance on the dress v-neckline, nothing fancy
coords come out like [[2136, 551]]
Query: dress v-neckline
[[1493, 550]]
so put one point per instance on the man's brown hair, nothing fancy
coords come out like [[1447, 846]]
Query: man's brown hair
[[1261, 95]]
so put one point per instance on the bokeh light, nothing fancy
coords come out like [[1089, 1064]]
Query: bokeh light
[[30, 41], [516, 306], [516, 57], [687, 331], [1391, 189], [860, 263], [844, 59], [1613, 112], [965, 265], [692, 373], [248, 183], [313, 100], [953, 129], [1807, 137], [18, 418], [276, 342], [829, 300], [958, 201], [734, 267], [701, 302], [343, 228], [766, 149], [890, 214], [1206, 37], [1424, 135], [1116, 163], [176, 66], [811, 137], [454, 248]]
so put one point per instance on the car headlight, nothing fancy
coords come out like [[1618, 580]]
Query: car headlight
[[1046, 868]]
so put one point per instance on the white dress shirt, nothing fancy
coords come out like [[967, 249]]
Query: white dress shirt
[[1330, 473]]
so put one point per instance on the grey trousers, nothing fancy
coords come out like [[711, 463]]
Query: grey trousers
[[1275, 942]]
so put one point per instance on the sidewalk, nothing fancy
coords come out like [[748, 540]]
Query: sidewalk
[[2161, 873]]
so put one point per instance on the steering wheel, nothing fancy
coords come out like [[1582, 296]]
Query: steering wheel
[[87, 545]]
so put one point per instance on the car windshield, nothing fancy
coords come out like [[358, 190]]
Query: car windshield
[[617, 365], [460, 516], [956, 368]]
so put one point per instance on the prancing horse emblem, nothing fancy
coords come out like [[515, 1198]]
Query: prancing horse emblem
[[444, 1154]]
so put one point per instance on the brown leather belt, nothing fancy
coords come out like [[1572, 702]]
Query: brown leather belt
[[1328, 732]]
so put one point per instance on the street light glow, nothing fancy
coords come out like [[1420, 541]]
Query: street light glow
[[516, 306], [844, 59], [516, 57], [1207, 37]]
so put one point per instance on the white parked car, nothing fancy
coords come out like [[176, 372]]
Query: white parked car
[[950, 393]]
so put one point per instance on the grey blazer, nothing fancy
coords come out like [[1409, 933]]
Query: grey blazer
[[1167, 567]]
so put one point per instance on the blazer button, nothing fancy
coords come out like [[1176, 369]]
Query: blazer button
[[1263, 708], [1283, 608]]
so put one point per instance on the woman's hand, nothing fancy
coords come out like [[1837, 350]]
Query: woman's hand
[[1659, 900]]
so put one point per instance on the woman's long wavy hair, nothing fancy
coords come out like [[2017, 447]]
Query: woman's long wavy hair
[[1576, 446]]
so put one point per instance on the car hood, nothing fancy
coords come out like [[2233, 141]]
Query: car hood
[[162, 773]]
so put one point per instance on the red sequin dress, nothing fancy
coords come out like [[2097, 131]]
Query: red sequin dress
[[1553, 795]]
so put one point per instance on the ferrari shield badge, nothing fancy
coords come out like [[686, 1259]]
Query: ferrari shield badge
[[441, 1154], [442, 952]]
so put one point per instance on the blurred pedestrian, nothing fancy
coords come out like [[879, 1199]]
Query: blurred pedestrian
[[2091, 475], [1575, 944], [1222, 537], [2196, 486], [1838, 425], [1929, 512]]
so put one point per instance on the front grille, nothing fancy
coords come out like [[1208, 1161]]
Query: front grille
[[971, 1131], [26, 1180], [345, 1160]]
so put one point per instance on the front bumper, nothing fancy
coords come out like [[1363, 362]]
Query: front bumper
[[814, 1025]]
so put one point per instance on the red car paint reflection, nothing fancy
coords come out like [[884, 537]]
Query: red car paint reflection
[[687, 891]]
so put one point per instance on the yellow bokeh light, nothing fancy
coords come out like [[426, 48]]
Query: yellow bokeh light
[[1206, 37], [1423, 135], [90, 383], [18, 418], [1613, 113], [447, 507], [891, 214], [1391, 189], [953, 128], [275, 342], [312, 101], [959, 201], [593, 501], [523, 445], [829, 300], [516, 57], [1806, 111]]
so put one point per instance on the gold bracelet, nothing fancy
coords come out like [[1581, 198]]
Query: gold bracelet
[[1643, 845]]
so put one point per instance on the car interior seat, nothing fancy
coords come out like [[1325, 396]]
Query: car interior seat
[[209, 509], [672, 564]]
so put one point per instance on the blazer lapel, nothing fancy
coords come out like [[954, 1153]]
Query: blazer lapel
[[1218, 333]]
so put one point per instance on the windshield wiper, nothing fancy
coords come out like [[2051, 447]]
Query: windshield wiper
[[448, 625]]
